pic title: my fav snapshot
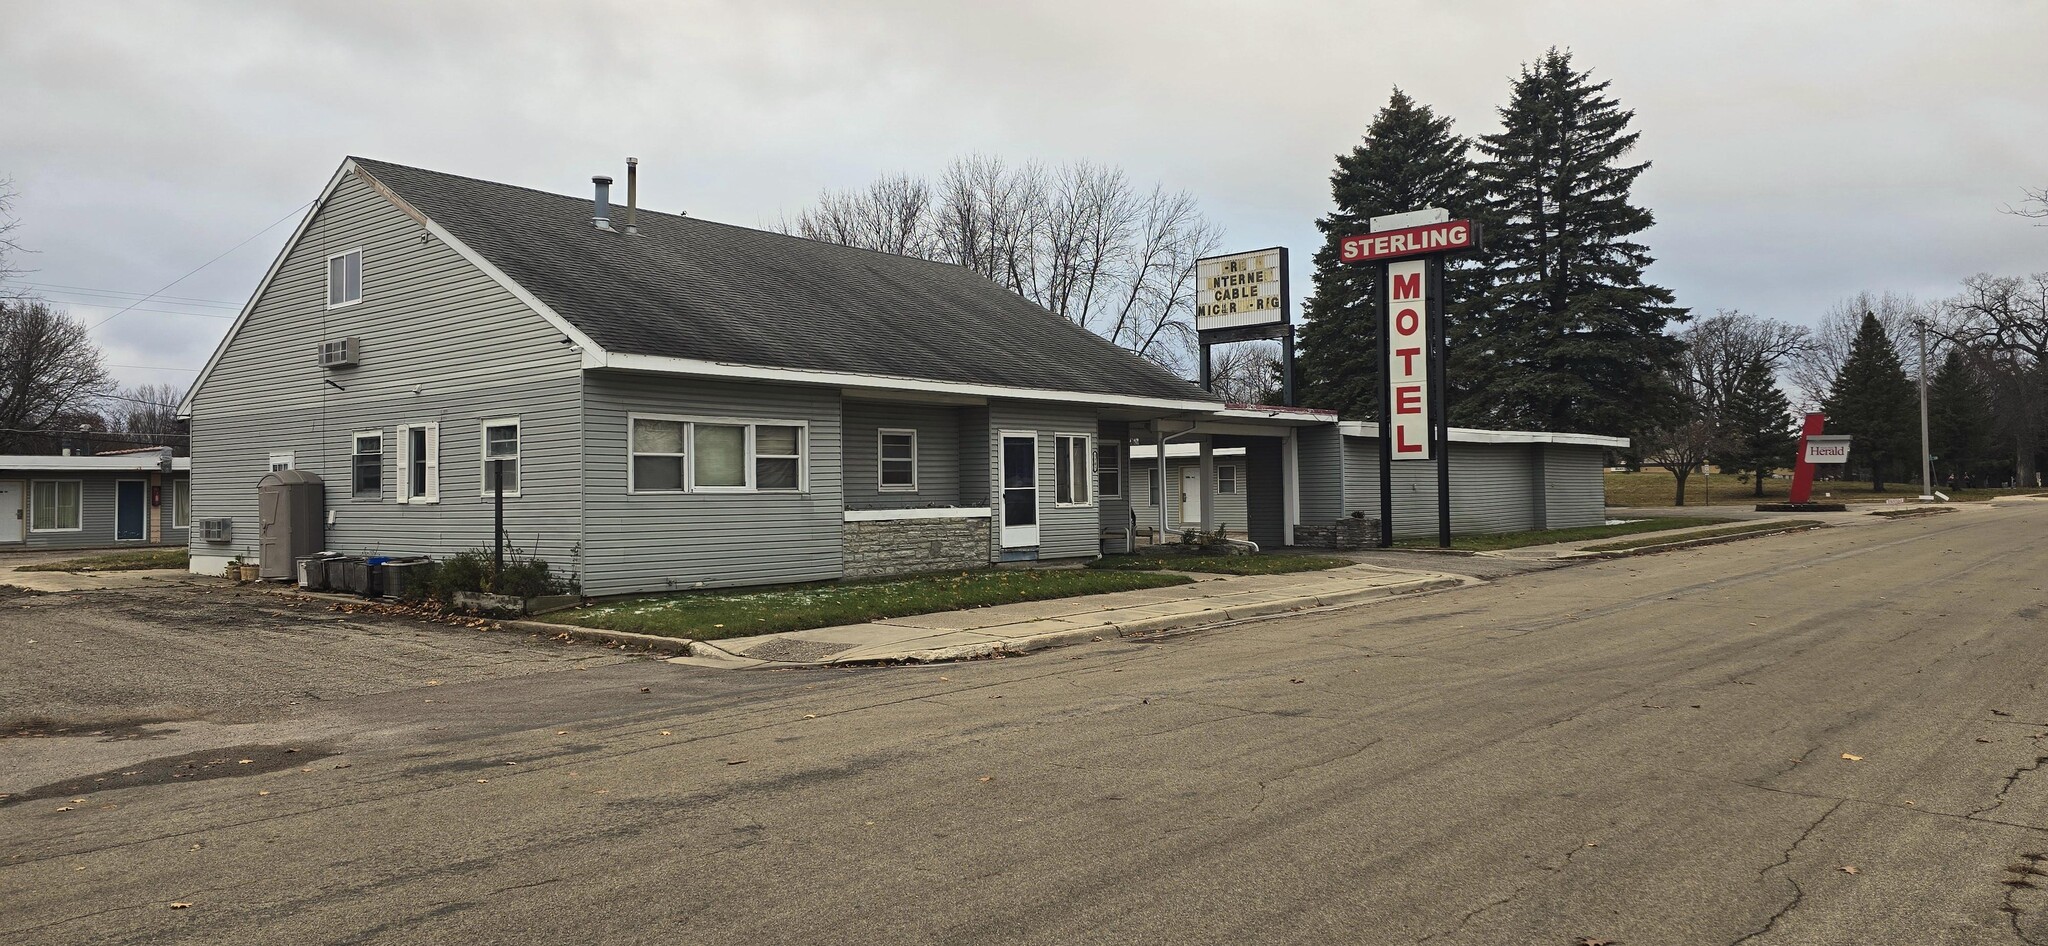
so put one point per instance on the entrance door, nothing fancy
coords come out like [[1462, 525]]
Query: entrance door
[[1020, 491], [1191, 495], [131, 511], [10, 511]]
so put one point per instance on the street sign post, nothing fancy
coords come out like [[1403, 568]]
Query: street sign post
[[1410, 249]]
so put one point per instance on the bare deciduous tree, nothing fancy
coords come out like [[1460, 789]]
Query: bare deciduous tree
[[1813, 372], [2036, 204], [1685, 437], [49, 370], [1247, 373], [148, 415], [8, 247], [2002, 321], [1720, 347], [1079, 239]]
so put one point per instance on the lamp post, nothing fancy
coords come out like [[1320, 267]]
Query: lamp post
[[1926, 456]]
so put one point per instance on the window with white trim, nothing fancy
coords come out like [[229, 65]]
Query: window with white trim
[[1226, 478], [1071, 469], [500, 453], [896, 460], [419, 463], [345, 278], [1109, 471], [181, 504], [366, 466], [55, 505], [668, 454]]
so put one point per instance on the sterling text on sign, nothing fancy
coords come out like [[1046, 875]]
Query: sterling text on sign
[[1408, 359], [1413, 241]]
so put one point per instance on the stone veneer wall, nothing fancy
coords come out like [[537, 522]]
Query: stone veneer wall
[[902, 546], [1347, 533]]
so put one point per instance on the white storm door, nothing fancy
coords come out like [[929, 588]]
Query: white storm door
[[1191, 495], [11, 511], [1019, 474]]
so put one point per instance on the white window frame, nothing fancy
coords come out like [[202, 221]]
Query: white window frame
[[1087, 472], [1100, 494], [881, 436], [1234, 479], [328, 275], [689, 451], [355, 449], [80, 527], [483, 456], [431, 495], [748, 444], [181, 512]]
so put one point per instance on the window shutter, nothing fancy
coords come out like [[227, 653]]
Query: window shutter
[[433, 463], [404, 465]]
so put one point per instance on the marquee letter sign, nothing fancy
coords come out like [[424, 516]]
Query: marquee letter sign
[[1408, 360]]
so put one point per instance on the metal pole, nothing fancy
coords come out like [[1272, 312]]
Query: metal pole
[[1206, 386], [498, 515], [1926, 455], [1381, 307], [1440, 427], [1287, 366]]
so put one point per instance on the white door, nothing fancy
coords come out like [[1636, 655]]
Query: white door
[[1020, 491], [1191, 495], [11, 511]]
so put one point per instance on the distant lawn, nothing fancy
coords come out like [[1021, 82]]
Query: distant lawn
[[1758, 525], [715, 615], [1493, 542], [138, 560], [1657, 487], [1262, 563]]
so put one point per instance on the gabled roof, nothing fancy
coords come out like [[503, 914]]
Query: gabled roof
[[690, 289]]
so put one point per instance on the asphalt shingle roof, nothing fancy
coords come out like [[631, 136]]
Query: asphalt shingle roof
[[690, 288]]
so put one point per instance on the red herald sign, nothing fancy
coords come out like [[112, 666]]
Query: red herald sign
[[1446, 237], [1408, 359]]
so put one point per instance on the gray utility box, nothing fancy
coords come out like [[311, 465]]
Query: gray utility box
[[312, 574], [292, 512], [362, 577], [399, 577]]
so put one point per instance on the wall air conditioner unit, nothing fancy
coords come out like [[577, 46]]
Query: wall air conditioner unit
[[341, 352], [217, 530]]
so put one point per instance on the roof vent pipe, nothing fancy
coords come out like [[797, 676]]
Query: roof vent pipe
[[632, 195], [601, 212]]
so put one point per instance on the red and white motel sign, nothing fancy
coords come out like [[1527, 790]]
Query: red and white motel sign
[[1408, 359]]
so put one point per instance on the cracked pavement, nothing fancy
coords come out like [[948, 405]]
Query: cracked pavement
[[1647, 750]]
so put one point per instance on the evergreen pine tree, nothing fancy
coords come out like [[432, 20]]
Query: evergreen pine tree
[[1567, 335], [1408, 160], [1959, 417], [1756, 425], [1874, 402]]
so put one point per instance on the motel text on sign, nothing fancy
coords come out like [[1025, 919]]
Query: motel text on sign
[[1408, 360]]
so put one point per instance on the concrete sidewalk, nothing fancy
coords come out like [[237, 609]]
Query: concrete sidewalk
[[1028, 626]]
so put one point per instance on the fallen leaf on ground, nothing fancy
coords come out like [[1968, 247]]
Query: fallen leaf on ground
[[986, 778], [180, 905], [245, 761], [433, 683], [810, 716], [2000, 713], [1594, 941], [735, 762], [1852, 758], [647, 689], [1982, 739], [665, 732], [1848, 869], [65, 808], [482, 780], [263, 793]]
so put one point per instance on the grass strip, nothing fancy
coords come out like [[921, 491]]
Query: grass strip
[[717, 615], [1495, 541], [137, 560], [1764, 525], [1264, 563]]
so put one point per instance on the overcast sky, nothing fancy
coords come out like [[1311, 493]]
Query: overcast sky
[[1802, 151]]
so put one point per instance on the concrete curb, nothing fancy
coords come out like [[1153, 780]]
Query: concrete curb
[[672, 646], [1697, 543]]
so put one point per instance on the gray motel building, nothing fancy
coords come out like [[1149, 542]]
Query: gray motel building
[[677, 403]]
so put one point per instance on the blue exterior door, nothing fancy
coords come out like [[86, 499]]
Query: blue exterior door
[[131, 510]]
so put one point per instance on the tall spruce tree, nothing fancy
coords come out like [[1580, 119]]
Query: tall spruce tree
[[1756, 425], [1567, 335], [1408, 160], [1959, 418], [1874, 402]]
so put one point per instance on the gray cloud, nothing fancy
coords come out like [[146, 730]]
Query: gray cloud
[[1802, 152]]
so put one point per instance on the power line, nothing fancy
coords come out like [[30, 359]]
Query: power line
[[152, 367], [122, 292], [196, 269]]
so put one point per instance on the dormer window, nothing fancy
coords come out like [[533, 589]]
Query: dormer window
[[345, 279]]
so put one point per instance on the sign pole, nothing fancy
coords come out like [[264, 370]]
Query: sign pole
[[1440, 426], [1381, 304], [1926, 454], [1206, 385]]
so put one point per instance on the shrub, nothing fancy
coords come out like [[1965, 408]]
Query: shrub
[[476, 572]]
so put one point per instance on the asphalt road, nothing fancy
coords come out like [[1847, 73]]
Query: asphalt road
[[1651, 750]]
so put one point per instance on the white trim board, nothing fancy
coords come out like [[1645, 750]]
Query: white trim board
[[1361, 428]]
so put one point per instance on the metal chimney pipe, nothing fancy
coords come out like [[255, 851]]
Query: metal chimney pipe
[[601, 212], [632, 195]]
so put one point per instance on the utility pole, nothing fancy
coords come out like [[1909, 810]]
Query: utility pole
[[1926, 456]]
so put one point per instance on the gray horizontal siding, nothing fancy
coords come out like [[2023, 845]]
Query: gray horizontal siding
[[441, 343], [96, 512], [938, 454], [1322, 473], [1115, 511], [1231, 508], [975, 476], [659, 541], [1063, 531], [1493, 487], [1575, 486]]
